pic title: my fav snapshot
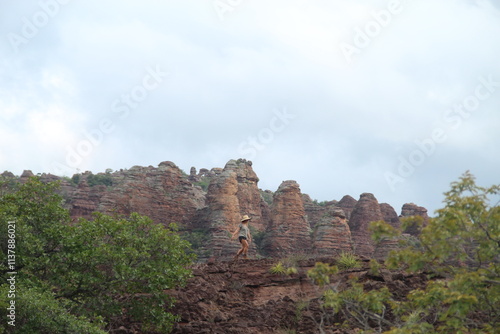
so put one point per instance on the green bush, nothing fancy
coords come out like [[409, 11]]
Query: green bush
[[278, 269], [459, 251], [91, 275], [348, 261], [99, 179]]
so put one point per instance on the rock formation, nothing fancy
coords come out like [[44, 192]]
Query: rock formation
[[208, 205], [367, 210], [249, 199], [288, 229], [411, 209], [332, 235], [244, 297], [164, 194], [347, 203], [224, 213], [383, 248]]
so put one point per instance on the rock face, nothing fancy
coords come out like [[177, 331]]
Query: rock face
[[332, 235], [224, 213], [385, 246], [410, 209], [367, 210], [244, 297], [288, 229], [164, 194], [249, 199], [208, 205], [347, 203], [231, 194], [390, 215]]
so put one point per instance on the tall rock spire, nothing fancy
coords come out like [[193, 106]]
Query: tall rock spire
[[289, 231], [366, 210]]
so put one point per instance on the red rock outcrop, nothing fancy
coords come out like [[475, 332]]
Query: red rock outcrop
[[249, 199], [85, 200], [244, 297], [383, 248], [211, 202], [332, 234], [164, 194], [347, 203], [223, 214], [367, 210], [232, 193], [390, 215], [288, 230], [411, 209], [316, 211], [25, 176]]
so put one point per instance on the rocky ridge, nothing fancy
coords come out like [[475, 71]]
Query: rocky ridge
[[245, 297], [208, 205]]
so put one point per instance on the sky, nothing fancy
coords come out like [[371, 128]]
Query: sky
[[397, 98]]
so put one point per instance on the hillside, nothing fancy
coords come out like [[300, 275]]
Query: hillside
[[244, 297]]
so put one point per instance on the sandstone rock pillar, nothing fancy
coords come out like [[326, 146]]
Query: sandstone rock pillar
[[367, 210], [289, 231]]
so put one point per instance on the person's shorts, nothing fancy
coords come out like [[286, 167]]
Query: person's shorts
[[242, 238]]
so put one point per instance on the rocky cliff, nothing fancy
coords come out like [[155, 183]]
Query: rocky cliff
[[208, 205], [245, 297]]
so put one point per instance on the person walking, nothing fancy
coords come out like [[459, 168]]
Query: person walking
[[244, 237]]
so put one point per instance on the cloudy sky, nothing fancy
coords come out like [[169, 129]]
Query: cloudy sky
[[396, 98]]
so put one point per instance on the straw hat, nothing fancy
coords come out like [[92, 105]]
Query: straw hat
[[245, 218]]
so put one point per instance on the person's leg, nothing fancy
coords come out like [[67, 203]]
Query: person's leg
[[242, 242], [245, 248]]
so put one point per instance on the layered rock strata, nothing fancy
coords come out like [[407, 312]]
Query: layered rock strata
[[411, 209], [211, 202], [366, 210], [289, 231], [332, 235]]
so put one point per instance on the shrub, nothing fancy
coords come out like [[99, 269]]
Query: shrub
[[460, 249], [87, 276], [347, 261]]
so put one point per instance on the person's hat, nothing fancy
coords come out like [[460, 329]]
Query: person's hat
[[245, 218]]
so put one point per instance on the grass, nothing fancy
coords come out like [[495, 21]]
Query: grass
[[348, 261]]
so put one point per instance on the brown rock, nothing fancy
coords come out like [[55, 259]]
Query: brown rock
[[244, 297], [390, 215], [316, 211], [164, 194], [383, 248], [347, 203], [249, 198], [25, 176], [288, 231], [223, 214], [367, 209], [411, 209], [332, 234]]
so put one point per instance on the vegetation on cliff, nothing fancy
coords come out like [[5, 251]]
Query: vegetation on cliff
[[86, 276], [459, 250]]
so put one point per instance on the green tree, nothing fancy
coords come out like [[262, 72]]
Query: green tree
[[459, 250], [90, 275]]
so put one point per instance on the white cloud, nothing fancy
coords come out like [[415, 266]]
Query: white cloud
[[353, 121]]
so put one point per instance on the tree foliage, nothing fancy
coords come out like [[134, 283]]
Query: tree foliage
[[90, 275], [459, 250]]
